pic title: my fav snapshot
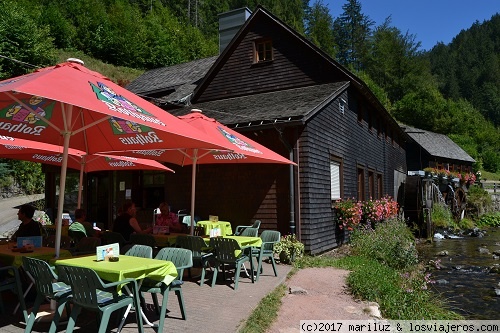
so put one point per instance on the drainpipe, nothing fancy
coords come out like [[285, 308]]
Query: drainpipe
[[291, 180]]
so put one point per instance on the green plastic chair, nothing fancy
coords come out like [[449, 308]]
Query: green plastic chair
[[91, 293], [110, 237], [12, 282], [250, 232], [240, 228], [202, 254], [224, 249], [269, 238], [50, 241], [143, 251], [182, 259], [44, 278], [86, 245], [198, 231], [76, 235]]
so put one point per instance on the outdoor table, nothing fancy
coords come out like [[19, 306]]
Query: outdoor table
[[11, 258], [225, 227], [166, 240], [8, 257], [127, 267]]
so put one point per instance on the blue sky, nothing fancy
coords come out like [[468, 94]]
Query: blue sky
[[431, 21]]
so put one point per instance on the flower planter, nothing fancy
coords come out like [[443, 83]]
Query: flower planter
[[287, 259]]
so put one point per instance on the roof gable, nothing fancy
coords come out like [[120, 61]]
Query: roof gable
[[296, 62]]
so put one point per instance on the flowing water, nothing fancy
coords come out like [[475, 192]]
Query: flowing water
[[466, 280]]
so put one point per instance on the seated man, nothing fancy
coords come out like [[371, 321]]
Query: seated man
[[28, 226]]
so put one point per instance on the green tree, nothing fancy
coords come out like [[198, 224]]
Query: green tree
[[421, 108], [394, 61], [352, 30], [61, 28], [28, 175], [22, 39], [319, 27]]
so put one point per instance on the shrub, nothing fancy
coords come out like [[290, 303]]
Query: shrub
[[466, 223], [478, 199], [390, 243], [441, 216], [289, 248], [489, 220]]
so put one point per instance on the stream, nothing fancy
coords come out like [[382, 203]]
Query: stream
[[465, 280]]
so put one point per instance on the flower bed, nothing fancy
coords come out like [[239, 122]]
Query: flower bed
[[351, 213]]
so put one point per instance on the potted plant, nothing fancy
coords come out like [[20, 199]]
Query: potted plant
[[289, 248]]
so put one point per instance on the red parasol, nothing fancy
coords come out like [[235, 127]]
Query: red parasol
[[72, 106], [45, 153], [238, 149]]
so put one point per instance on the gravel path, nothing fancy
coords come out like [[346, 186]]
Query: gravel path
[[327, 298]]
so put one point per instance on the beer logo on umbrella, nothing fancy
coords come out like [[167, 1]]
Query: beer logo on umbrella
[[242, 145], [121, 104], [27, 115]]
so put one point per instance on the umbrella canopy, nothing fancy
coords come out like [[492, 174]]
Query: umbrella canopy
[[238, 149], [72, 106], [45, 153]]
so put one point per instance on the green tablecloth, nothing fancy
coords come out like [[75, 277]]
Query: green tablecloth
[[243, 241], [166, 240], [127, 267], [8, 258], [225, 227]]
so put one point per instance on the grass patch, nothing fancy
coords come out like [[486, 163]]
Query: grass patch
[[485, 175], [265, 313], [402, 295], [118, 74], [383, 268]]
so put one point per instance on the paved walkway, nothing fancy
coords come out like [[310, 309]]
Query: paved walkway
[[210, 310]]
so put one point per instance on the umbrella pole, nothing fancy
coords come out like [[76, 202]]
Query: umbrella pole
[[62, 185], [80, 182], [193, 188]]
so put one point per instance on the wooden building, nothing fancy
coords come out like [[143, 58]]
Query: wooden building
[[274, 86], [434, 150]]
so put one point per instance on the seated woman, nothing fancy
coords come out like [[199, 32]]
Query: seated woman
[[167, 218], [126, 223]]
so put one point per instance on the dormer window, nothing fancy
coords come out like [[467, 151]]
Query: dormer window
[[263, 50]]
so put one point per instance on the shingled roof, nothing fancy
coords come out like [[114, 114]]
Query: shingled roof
[[173, 83], [438, 145], [280, 106]]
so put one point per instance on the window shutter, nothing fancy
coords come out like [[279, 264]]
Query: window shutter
[[335, 180]]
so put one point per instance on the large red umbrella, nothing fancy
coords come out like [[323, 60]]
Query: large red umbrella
[[238, 149], [72, 106], [46, 153]]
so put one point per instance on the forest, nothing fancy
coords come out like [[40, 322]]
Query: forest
[[452, 89]]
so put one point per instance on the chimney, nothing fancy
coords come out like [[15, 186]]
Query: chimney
[[229, 24]]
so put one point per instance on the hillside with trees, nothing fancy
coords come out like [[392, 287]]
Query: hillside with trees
[[452, 89]]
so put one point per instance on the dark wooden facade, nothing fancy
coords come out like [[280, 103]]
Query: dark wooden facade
[[290, 104], [332, 134]]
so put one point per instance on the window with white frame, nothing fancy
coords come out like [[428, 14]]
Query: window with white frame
[[335, 180]]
